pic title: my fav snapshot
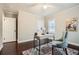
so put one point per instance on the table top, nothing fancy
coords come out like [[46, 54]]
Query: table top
[[45, 36]]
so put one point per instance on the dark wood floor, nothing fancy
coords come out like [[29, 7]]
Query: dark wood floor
[[12, 48], [9, 48]]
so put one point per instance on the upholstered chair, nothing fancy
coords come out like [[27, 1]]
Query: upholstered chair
[[61, 42]]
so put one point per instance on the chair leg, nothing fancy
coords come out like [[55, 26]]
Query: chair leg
[[52, 50], [78, 52], [65, 49], [48, 43]]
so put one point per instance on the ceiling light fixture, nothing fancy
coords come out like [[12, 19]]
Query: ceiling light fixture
[[45, 6]]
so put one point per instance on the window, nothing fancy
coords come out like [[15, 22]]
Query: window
[[51, 26]]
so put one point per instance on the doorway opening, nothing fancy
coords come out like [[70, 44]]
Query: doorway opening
[[10, 30], [10, 26]]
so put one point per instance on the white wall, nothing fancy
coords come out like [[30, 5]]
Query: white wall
[[40, 23], [26, 26], [47, 19], [1, 18], [60, 23]]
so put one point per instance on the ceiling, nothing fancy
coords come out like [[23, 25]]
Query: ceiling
[[37, 8]]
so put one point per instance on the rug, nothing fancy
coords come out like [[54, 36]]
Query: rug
[[47, 50]]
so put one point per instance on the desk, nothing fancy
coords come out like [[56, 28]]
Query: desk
[[40, 37]]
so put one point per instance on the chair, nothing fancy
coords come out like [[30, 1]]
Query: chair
[[61, 43]]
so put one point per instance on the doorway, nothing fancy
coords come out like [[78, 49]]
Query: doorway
[[9, 29]]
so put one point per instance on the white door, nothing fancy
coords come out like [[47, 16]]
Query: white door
[[9, 29]]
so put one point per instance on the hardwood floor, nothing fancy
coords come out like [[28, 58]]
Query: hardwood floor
[[9, 49], [12, 48], [74, 47]]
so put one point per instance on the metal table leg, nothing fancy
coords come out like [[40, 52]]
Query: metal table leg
[[34, 43], [39, 46], [52, 50]]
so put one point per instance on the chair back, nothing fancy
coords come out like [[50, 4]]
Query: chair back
[[65, 39], [65, 35], [58, 35]]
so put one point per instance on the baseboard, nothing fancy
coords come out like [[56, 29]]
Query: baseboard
[[25, 41], [73, 43], [74, 46]]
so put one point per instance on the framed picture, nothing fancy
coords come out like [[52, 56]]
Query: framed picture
[[72, 24]]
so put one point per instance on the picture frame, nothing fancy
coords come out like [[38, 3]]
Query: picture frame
[[72, 24]]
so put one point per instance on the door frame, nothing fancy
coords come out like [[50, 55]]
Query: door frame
[[16, 24], [13, 16], [17, 29]]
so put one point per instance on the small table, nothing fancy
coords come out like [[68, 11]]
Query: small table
[[40, 37]]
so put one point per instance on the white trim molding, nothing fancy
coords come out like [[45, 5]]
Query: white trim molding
[[22, 41], [74, 43]]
